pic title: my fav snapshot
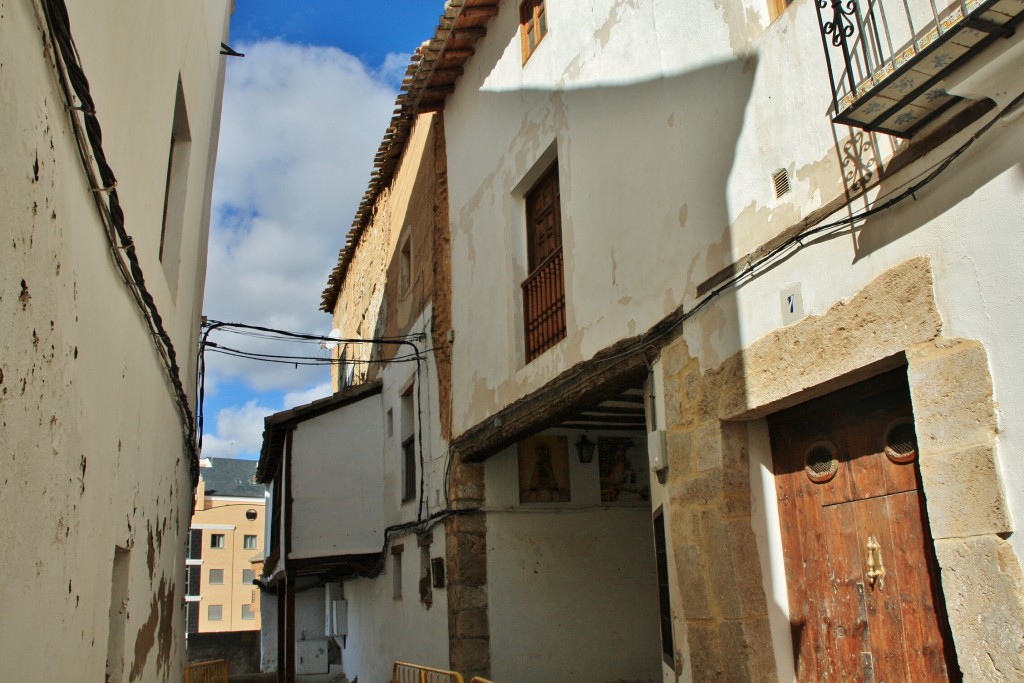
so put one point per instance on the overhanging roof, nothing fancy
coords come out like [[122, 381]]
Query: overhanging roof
[[429, 79]]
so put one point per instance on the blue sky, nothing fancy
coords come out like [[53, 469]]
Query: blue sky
[[304, 112]]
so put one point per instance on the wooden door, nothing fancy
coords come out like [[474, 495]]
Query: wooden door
[[865, 603]]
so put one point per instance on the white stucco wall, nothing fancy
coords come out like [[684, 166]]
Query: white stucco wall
[[383, 629], [572, 587], [92, 452], [337, 496], [665, 157]]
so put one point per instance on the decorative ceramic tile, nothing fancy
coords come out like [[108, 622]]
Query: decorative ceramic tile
[[954, 18], [880, 75], [846, 101], [870, 109], [972, 5], [1009, 7], [934, 98], [967, 37], [907, 118], [939, 59], [995, 17], [928, 39], [902, 57], [902, 85]]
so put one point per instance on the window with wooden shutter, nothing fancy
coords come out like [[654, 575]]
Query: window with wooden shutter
[[544, 288], [533, 25]]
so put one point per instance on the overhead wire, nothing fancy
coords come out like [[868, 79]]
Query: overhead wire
[[795, 243]]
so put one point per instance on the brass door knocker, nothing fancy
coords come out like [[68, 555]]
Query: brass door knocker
[[876, 570]]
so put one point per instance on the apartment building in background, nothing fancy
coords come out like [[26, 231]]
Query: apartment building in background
[[225, 549]]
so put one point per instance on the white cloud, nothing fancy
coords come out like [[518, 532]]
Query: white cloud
[[239, 432], [300, 398], [393, 69], [299, 130]]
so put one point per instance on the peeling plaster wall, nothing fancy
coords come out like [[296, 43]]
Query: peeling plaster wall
[[92, 454], [372, 301], [625, 123], [383, 629], [665, 159]]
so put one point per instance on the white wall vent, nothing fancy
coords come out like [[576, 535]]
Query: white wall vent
[[780, 179]]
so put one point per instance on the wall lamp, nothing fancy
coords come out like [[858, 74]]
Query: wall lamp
[[585, 449]]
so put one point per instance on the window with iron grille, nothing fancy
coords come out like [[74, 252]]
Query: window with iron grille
[[544, 288]]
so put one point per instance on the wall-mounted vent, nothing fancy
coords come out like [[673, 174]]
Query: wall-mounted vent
[[780, 179]]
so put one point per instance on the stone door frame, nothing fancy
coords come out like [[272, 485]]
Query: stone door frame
[[892, 321]]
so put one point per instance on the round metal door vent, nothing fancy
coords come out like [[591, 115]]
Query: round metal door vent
[[821, 463], [901, 443]]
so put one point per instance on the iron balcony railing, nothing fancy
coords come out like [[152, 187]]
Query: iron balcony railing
[[544, 306], [887, 58]]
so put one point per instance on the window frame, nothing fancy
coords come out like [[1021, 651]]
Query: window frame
[[217, 541], [533, 25], [544, 300], [209, 577], [220, 613], [252, 614], [246, 540]]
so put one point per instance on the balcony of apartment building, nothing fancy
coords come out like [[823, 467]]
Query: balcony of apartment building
[[891, 61]]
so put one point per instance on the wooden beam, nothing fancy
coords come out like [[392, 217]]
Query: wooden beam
[[478, 11], [438, 92], [470, 33], [447, 74], [459, 53]]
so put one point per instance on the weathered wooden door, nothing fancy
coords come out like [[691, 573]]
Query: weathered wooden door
[[865, 603]]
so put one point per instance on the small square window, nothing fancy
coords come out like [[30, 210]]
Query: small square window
[[249, 542], [216, 577], [216, 540], [215, 612], [248, 576], [247, 613], [533, 25]]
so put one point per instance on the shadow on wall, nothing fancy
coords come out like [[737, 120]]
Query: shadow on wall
[[643, 170], [861, 161]]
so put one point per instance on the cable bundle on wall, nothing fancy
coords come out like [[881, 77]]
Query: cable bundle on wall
[[103, 184]]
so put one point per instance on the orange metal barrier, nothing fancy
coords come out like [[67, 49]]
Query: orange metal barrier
[[215, 671], [404, 672]]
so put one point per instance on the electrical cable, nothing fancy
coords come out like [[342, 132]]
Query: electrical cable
[[88, 139], [795, 243]]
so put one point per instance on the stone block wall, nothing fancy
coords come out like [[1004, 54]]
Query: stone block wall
[[892, 321]]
